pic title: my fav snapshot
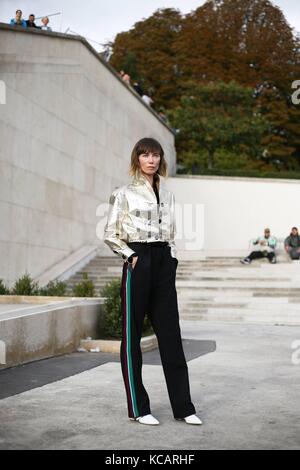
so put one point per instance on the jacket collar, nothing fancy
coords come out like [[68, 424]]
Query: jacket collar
[[141, 179]]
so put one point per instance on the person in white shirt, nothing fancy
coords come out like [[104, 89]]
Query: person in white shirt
[[148, 100], [45, 22]]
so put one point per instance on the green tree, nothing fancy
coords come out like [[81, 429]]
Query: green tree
[[246, 41], [149, 45], [219, 116]]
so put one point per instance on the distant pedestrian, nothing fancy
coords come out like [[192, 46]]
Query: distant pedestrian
[[30, 22], [45, 22], [126, 78], [148, 100], [138, 88], [18, 20], [163, 116], [264, 248], [292, 244]]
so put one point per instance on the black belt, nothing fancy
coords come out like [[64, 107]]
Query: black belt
[[159, 243]]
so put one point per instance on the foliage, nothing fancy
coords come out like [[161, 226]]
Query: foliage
[[3, 289], [25, 286], [85, 288], [217, 121], [113, 314], [54, 288], [248, 42]]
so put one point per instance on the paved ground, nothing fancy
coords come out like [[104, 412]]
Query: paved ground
[[16, 380], [247, 393]]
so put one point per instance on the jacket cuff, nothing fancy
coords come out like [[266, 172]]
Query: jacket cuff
[[130, 259], [127, 252]]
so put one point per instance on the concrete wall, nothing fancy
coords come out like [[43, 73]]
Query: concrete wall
[[222, 214], [66, 133], [48, 330]]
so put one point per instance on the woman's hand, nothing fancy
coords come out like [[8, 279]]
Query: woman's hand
[[134, 260]]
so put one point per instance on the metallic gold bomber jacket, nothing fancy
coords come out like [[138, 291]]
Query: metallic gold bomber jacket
[[135, 216]]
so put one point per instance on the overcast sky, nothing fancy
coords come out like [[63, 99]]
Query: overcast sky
[[101, 20]]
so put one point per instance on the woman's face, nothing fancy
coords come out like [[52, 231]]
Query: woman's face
[[149, 162]]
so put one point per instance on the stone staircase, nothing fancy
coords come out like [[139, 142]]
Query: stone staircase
[[220, 288], [101, 270]]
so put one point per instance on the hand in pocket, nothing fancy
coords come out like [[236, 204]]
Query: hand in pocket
[[134, 261]]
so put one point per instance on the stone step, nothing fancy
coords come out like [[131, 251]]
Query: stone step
[[193, 284], [199, 277], [199, 268], [290, 319], [238, 300], [249, 309], [220, 288], [188, 308], [188, 291], [194, 278], [220, 270], [94, 277]]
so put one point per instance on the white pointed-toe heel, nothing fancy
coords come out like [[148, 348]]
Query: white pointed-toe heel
[[146, 419], [192, 419]]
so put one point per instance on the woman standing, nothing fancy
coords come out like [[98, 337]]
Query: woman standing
[[141, 229]]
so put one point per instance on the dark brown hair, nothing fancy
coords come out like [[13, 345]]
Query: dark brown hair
[[147, 144]]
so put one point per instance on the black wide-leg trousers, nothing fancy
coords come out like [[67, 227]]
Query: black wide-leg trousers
[[149, 289], [261, 254]]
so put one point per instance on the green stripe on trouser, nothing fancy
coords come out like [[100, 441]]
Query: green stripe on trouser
[[128, 342]]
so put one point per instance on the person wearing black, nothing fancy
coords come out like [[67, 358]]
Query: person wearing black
[[264, 248], [138, 88], [30, 22], [292, 244], [141, 229]]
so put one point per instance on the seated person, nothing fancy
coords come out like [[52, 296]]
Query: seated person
[[18, 20], [292, 244], [265, 248]]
